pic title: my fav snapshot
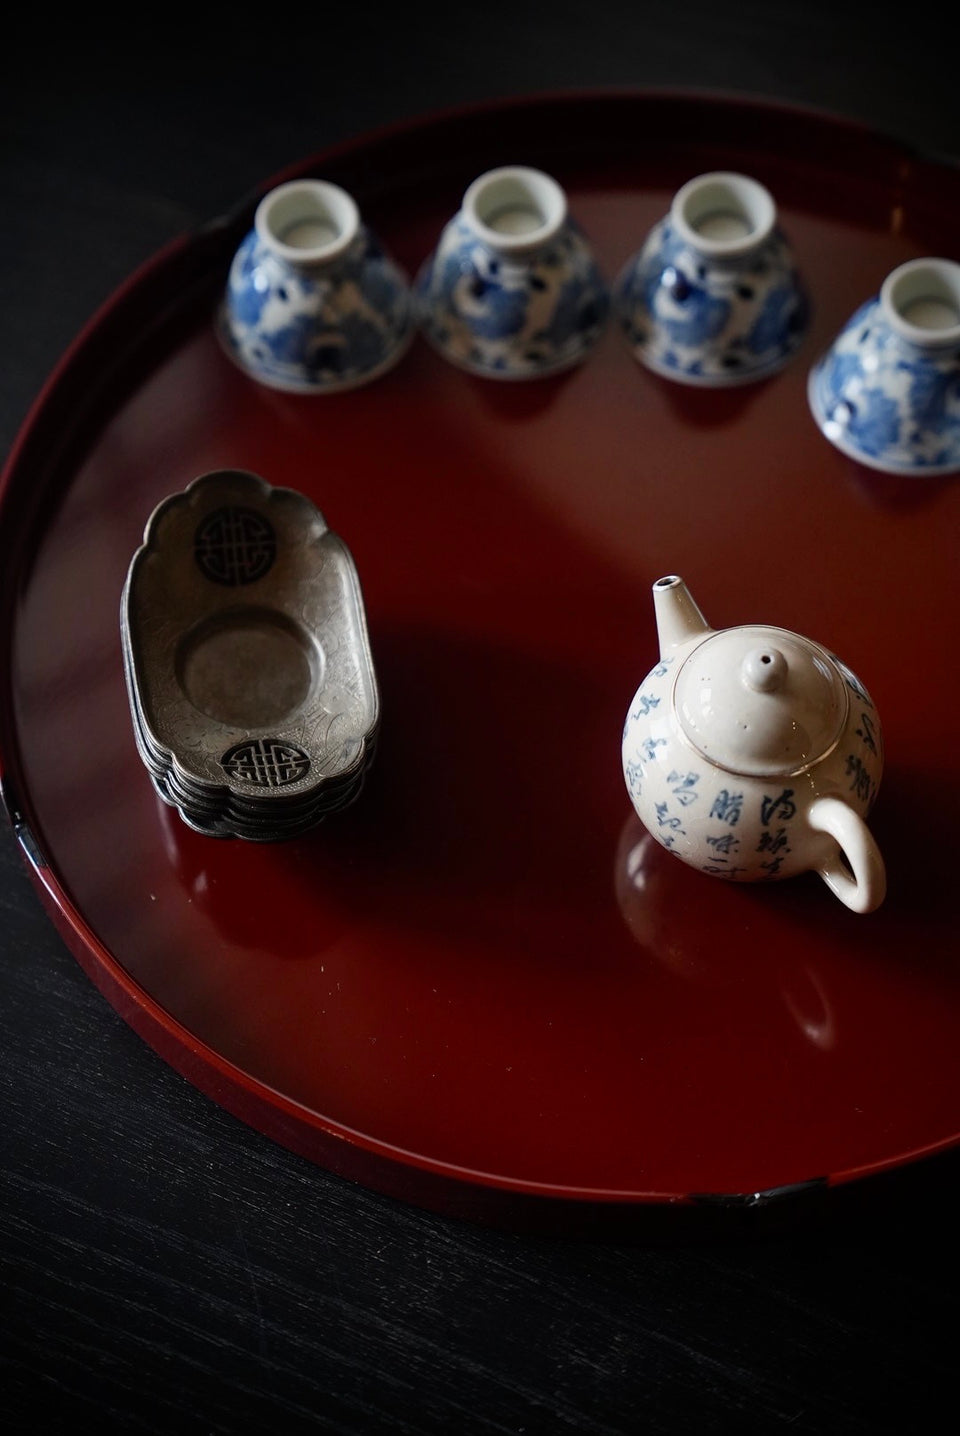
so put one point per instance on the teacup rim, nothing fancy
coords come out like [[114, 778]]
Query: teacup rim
[[550, 199], [891, 300], [338, 202], [747, 192]]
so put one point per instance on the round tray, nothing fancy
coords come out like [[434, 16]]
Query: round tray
[[484, 985]]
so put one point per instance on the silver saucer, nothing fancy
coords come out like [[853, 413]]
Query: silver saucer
[[252, 690]]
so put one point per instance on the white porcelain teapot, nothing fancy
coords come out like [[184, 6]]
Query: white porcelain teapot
[[754, 754]]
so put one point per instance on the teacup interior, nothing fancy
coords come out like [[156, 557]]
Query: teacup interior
[[722, 213], [516, 205], [924, 296], [307, 219]]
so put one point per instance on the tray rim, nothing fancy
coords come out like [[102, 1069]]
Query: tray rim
[[423, 1180]]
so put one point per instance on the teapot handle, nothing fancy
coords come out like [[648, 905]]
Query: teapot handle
[[854, 871]]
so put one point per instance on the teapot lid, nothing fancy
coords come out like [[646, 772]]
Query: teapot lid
[[760, 701]]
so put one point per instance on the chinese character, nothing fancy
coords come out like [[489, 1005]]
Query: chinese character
[[727, 806], [853, 682], [862, 783], [773, 842], [724, 844], [781, 807], [683, 791], [663, 820], [644, 704], [867, 732]]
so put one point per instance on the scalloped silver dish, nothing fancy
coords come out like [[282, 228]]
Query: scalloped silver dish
[[253, 696]]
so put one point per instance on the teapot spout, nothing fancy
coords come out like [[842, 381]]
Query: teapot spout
[[678, 617]]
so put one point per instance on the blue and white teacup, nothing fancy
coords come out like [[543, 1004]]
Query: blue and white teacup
[[512, 290], [313, 304], [887, 391], [714, 296]]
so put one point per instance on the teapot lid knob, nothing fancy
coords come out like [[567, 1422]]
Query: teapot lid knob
[[764, 669]]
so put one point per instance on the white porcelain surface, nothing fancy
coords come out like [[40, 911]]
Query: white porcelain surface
[[754, 754], [512, 290], [313, 304], [714, 296], [887, 391]]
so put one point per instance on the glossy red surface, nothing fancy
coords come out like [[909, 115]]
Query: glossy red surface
[[485, 977]]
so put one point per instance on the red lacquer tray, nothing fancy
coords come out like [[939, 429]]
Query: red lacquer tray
[[483, 984]]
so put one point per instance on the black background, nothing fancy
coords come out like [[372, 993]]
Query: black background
[[162, 1267]]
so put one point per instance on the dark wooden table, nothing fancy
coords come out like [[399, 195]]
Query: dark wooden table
[[163, 1268]]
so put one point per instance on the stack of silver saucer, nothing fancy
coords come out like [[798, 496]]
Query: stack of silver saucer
[[252, 691]]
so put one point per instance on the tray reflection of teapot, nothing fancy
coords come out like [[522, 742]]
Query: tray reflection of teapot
[[753, 754]]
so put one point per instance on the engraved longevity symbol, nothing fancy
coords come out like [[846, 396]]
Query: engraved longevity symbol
[[234, 546], [266, 762]]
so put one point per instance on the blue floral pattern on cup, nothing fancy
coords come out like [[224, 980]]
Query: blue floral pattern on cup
[[312, 330], [511, 316], [885, 402], [712, 322]]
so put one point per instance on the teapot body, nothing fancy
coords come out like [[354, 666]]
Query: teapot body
[[740, 826], [745, 802]]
